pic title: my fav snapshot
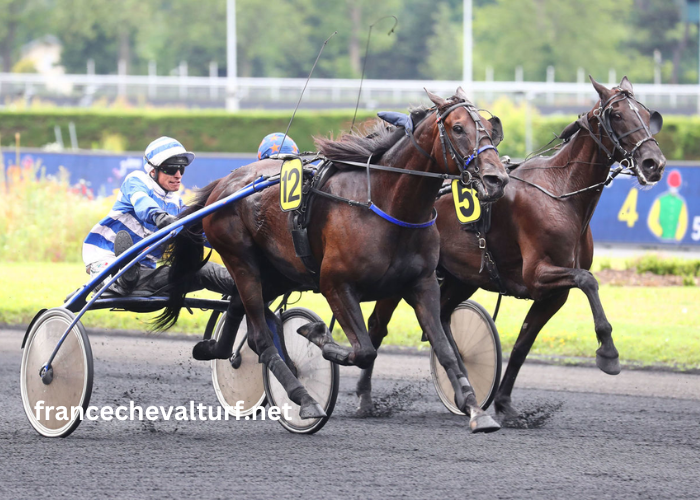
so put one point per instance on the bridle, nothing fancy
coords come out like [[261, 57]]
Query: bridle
[[465, 176], [602, 114], [446, 142]]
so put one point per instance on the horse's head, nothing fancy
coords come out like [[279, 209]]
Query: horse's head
[[468, 143], [631, 127]]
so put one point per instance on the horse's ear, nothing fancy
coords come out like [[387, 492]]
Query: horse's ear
[[656, 121], [496, 130], [602, 90], [626, 85], [570, 130], [462, 94], [437, 100]]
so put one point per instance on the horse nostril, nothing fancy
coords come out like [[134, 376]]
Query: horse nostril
[[649, 164], [493, 180]]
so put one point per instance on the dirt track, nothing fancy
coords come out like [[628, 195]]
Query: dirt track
[[631, 436]]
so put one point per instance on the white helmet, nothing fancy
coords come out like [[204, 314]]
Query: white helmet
[[166, 148]]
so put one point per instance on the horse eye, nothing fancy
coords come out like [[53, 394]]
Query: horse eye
[[458, 129], [617, 116]]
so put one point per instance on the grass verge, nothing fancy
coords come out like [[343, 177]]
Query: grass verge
[[650, 325]]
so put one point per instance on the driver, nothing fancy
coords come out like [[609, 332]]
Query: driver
[[148, 201], [272, 145]]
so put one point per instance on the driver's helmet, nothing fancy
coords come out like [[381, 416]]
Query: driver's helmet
[[270, 145], [166, 150]]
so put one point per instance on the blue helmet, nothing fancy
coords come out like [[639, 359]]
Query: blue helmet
[[270, 145]]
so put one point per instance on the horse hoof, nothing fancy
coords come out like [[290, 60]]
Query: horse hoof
[[205, 350], [506, 412], [364, 409], [311, 410], [483, 423], [316, 333], [611, 366]]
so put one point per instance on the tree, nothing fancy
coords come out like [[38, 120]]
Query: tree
[[538, 33], [658, 26], [22, 21]]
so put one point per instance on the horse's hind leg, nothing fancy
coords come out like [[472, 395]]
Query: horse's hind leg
[[425, 299], [539, 314], [209, 349], [377, 325], [248, 282]]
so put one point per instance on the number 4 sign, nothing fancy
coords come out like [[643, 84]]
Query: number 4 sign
[[628, 211]]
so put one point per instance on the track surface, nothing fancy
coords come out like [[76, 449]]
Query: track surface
[[592, 436]]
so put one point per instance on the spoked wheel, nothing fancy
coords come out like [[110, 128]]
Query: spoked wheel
[[238, 378], [476, 338], [68, 386], [319, 376]]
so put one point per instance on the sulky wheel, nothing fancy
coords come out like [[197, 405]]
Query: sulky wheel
[[238, 378], [476, 338], [319, 376], [68, 384]]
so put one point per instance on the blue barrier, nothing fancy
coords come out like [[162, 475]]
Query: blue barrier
[[667, 215], [101, 174]]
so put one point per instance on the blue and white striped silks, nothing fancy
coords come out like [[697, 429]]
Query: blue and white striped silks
[[138, 200]]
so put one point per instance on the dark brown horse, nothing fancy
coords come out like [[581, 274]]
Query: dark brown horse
[[360, 255], [541, 243]]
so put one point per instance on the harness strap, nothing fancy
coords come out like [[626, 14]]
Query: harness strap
[[422, 151], [374, 208], [397, 170], [607, 181]]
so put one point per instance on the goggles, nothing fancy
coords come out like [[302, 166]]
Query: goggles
[[172, 169]]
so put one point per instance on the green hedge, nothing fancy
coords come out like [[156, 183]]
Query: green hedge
[[218, 131], [200, 131]]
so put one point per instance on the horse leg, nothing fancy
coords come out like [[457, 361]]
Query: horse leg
[[346, 309], [377, 323], [539, 314], [260, 335], [425, 300], [550, 279], [452, 293], [206, 350], [606, 357]]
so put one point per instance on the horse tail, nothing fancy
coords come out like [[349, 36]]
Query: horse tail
[[185, 256]]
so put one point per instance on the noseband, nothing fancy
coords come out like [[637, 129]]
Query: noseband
[[447, 143]]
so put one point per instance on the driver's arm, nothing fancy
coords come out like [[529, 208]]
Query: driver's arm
[[145, 207]]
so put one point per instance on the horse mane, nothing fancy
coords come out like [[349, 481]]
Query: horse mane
[[374, 140]]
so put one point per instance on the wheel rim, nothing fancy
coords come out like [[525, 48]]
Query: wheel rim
[[478, 344], [72, 374], [318, 375], [244, 383]]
